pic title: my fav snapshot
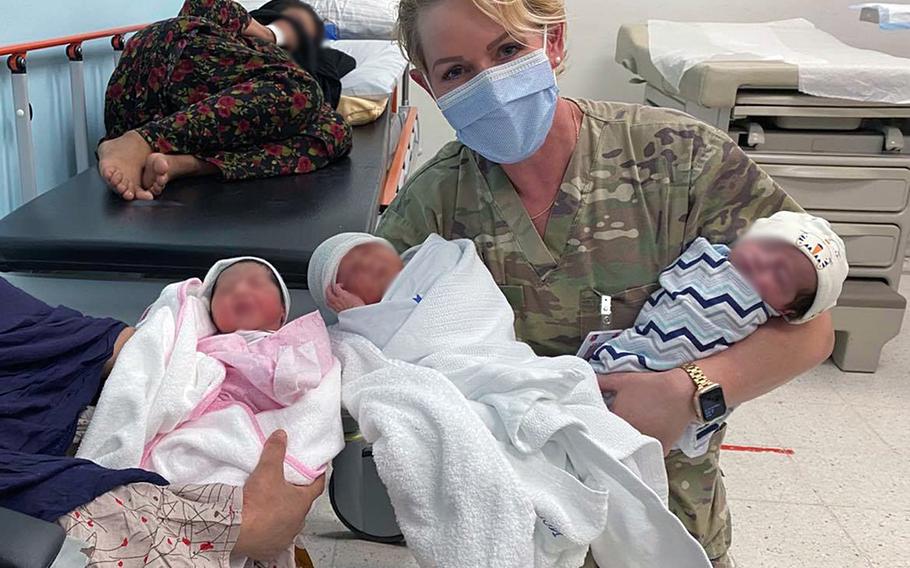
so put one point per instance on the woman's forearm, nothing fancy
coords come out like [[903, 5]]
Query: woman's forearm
[[775, 354], [124, 336]]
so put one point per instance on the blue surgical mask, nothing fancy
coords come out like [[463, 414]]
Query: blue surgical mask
[[505, 112]]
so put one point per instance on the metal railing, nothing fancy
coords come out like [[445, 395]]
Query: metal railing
[[17, 62]]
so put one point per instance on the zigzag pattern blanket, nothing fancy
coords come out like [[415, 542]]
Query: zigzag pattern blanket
[[704, 305]]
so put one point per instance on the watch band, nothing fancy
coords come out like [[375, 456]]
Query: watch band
[[698, 376]]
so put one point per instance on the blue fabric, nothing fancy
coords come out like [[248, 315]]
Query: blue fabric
[[505, 112], [51, 361]]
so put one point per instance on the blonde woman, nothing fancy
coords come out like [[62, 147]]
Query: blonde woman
[[576, 206]]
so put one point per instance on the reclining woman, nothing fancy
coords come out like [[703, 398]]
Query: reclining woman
[[211, 92]]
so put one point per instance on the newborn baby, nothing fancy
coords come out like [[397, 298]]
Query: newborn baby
[[357, 271], [214, 368], [791, 265], [247, 297]]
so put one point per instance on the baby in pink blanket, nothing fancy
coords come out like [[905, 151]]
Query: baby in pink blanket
[[268, 363], [213, 369], [247, 297]]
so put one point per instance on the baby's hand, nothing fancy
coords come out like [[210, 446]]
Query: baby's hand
[[340, 299]]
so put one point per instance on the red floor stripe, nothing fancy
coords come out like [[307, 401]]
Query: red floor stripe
[[757, 449]]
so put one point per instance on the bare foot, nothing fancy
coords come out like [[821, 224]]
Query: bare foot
[[121, 161], [155, 173], [160, 169]]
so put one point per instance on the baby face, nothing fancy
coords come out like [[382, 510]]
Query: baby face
[[779, 271], [368, 271], [246, 297]]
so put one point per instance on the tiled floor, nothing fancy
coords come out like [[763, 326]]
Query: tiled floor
[[842, 500]]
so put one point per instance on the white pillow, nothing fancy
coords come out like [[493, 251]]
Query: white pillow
[[356, 19], [380, 65]]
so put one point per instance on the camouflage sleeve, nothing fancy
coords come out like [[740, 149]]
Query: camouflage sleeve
[[728, 191], [407, 221], [426, 203]]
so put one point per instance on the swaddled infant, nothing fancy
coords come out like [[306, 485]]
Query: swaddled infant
[[362, 269], [247, 297], [266, 357], [790, 264], [214, 368]]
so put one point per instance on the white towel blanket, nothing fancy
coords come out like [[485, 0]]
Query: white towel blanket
[[493, 456], [196, 407]]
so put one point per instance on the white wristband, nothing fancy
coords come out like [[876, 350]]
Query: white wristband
[[279, 35]]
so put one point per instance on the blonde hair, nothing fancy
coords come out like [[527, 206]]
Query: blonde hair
[[517, 17]]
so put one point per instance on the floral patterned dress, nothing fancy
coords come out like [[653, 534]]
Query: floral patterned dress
[[194, 85]]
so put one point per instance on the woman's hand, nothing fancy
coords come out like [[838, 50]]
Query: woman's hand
[[340, 299], [659, 405], [257, 30], [274, 511]]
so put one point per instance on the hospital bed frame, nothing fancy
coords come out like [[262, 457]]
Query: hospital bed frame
[[846, 161]]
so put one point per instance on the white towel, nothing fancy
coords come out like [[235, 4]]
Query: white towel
[[494, 456], [166, 407]]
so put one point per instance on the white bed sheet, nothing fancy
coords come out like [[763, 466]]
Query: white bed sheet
[[356, 19], [827, 66], [380, 64]]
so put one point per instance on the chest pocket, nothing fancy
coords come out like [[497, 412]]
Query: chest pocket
[[516, 297], [625, 306]]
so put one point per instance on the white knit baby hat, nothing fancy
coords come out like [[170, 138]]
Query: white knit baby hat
[[325, 260], [208, 285], [818, 241]]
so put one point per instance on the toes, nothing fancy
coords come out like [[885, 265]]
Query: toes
[[160, 182], [144, 194], [115, 179], [160, 166]]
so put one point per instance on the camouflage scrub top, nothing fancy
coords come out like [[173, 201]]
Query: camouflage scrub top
[[642, 183]]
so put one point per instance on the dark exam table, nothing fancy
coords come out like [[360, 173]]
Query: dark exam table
[[80, 227]]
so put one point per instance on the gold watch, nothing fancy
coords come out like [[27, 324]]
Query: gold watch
[[709, 399]]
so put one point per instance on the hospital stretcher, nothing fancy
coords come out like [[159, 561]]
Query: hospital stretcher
[[78, 229], [79, 245], [848, 162]]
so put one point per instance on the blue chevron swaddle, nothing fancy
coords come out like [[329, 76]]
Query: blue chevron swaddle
[[704, 305]]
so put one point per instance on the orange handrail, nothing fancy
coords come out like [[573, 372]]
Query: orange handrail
[[22, 48], [390, 186]]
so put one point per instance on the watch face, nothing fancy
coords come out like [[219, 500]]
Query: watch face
[[712, 403]]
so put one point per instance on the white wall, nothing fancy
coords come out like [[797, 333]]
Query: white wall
[[593, 25]]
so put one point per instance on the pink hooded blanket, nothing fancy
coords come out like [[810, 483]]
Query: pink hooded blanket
[[196, 407]]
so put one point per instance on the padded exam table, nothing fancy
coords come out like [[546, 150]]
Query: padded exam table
[[82, 232]]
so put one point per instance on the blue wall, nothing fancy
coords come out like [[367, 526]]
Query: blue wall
[[48, 78]]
